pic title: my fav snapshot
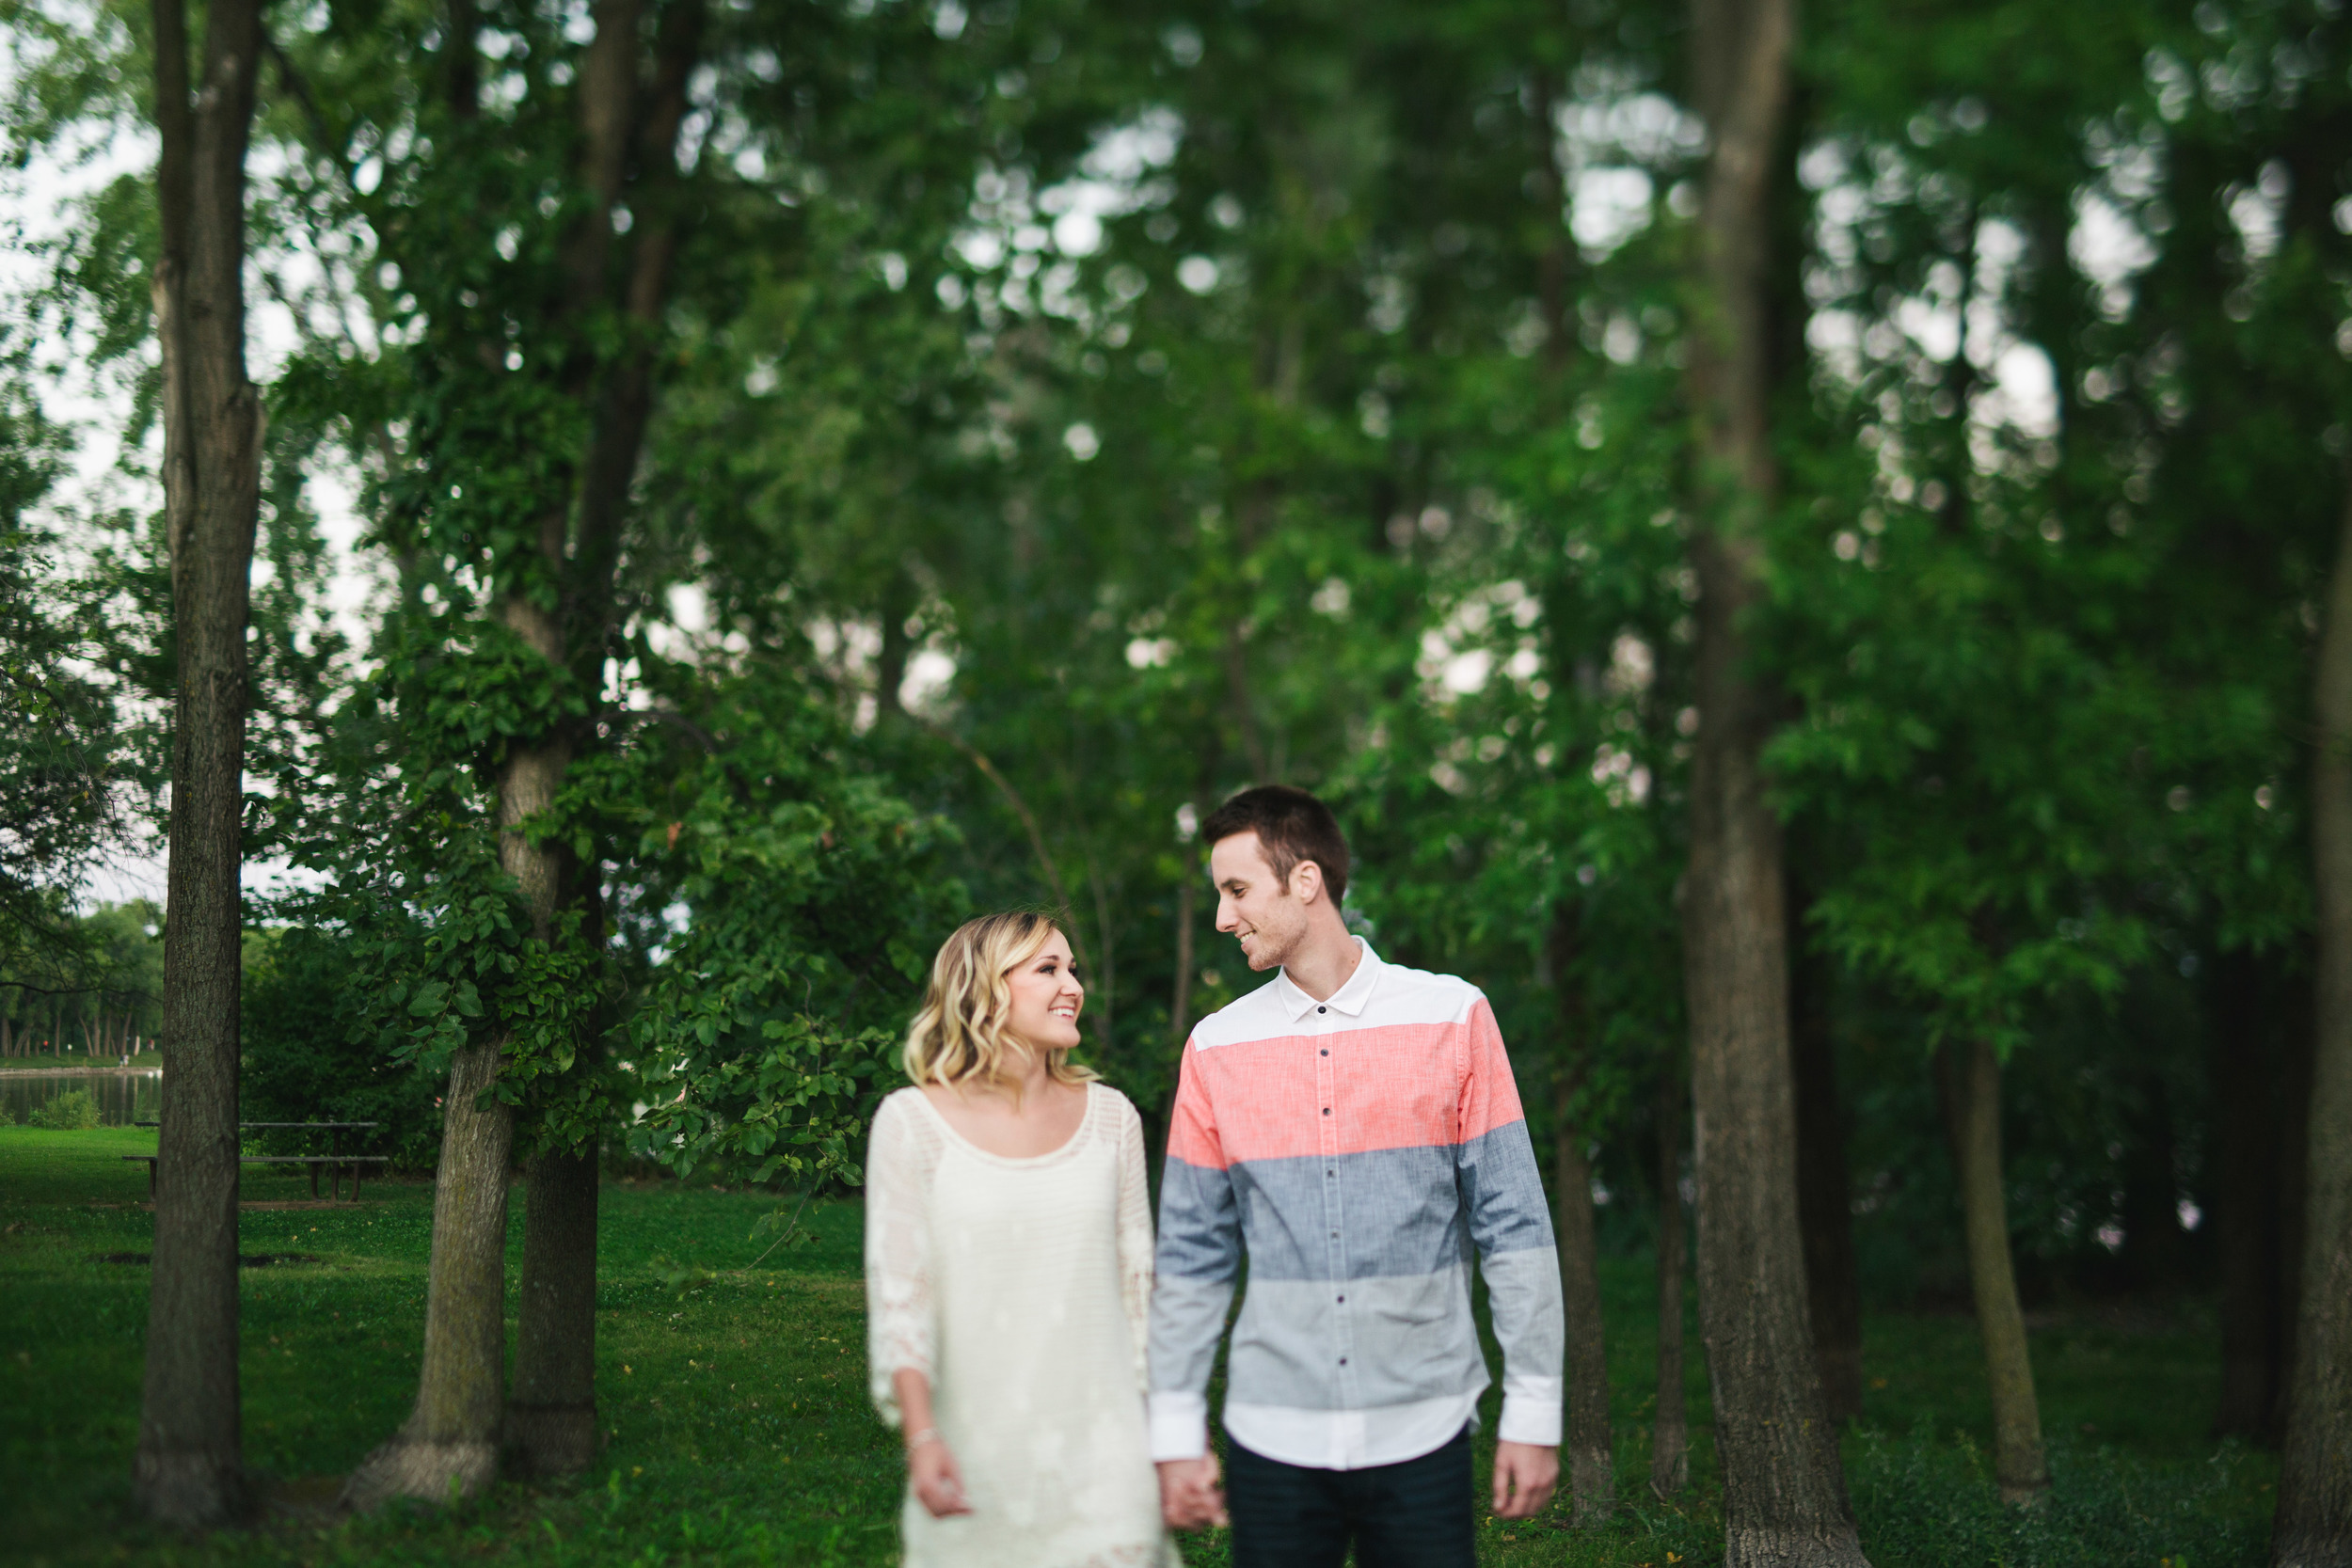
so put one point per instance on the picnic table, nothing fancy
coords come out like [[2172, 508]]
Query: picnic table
[[333, 1162]]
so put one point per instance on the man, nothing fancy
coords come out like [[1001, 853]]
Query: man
[[1353, 1126]]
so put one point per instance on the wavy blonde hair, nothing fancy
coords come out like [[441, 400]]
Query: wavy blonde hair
[[960, 1034]]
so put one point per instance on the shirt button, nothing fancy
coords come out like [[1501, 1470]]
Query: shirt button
[[1343, 1299], [1343, 1360], [1323, 1009], [1327, 1110], [1327, 1052]]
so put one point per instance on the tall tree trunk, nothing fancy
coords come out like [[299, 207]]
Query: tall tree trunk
[[1591, 1480], [1972, 1099], [2297, 1047], [2155, 1252], [1784, 1488], [1824, 1190], [448, 1449], [551, 1420], [2243, 1086], [189, 1469], [1670, 1430], [2313, 1528]]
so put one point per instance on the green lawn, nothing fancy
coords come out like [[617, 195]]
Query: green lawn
[[739, 1431]]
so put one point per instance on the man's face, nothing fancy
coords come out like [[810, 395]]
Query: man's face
[[1253, 904]]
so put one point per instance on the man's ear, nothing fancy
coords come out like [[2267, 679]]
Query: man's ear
[[1307, 881]]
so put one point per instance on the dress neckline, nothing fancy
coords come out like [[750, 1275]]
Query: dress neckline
[[1015, 1161]]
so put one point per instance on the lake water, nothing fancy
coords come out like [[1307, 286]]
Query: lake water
[[123, 1098]]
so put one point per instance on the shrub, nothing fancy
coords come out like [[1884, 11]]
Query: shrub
[[75, 1111]]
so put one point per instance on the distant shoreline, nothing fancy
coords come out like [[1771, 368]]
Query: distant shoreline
[[77, 1072]]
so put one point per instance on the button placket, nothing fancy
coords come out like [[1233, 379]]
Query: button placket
[[1327, 1089]]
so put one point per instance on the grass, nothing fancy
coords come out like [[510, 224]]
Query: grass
[[738, 1431]]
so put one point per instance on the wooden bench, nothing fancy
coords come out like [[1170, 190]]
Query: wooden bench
[[334, 1163]]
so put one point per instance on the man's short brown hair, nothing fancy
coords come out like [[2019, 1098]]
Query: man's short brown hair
[[1291, 826]]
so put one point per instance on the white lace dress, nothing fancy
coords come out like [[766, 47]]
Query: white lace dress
[[1020, 1289]]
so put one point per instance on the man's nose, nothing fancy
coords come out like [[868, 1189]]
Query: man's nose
[[1226, 919]]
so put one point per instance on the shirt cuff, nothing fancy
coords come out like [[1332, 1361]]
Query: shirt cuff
[[1180, 1426], [1530, 1412]]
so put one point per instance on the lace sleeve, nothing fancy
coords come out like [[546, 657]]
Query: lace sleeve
[[900, 1315], [1134, 1238]]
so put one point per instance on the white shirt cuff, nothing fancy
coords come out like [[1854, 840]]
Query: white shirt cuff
[[1180, 1426], [1530, 1412]]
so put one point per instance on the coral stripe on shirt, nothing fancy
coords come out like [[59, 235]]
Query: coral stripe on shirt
[[1271, 1094]]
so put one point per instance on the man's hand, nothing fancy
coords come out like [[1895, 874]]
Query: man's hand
[[1524, 1477], [938, 1483], [1192, 1492]]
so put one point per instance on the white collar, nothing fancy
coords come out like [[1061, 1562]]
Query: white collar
[[1351, 998]]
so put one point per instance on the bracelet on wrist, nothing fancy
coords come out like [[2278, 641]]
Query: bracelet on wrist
[[917, 1439]]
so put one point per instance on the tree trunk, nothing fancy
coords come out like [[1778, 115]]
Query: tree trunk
[[1670, 1434], [2313, 1528], [448, 1449], [2243, 1085], [1972, 1099], [1591, 1480], [1784, 1488], [551, 1420], [189, 1469], [1824, 1191], [2296, 1044]]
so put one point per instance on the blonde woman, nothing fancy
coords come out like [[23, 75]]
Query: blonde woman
[[1009, 1272]]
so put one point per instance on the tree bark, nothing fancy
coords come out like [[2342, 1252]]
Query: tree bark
[[448, 1449], [2296, 1046], [1784, 1488], [2313, 1527], [1591, 1480], [1971, 1075], [189, 1469], [1825, 1190], [1670, 1432], [551, 1420], [2243, 1085]]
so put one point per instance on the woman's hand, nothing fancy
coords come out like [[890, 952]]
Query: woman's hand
[[938, 1484]]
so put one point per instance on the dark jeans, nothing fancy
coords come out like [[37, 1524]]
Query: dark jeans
[[1417, 1515]]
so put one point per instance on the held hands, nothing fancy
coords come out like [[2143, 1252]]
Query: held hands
[[938, 1483], [1524, 1477], [1192, 1492]]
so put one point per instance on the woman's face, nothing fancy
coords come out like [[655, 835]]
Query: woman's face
[[1046, 997]]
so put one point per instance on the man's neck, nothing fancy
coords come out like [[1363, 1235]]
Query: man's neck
[[1325, 960]]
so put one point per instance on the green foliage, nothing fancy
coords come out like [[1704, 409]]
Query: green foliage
[[75, 1111], [307, 1056], [808, 902], [61, 793]]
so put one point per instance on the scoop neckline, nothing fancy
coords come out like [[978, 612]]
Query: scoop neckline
[[1067, 1146]]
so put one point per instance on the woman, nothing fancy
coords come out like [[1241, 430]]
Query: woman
[[1009, 1269]]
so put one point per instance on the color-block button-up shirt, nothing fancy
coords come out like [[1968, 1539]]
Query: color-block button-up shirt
[[1359, 1148]]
